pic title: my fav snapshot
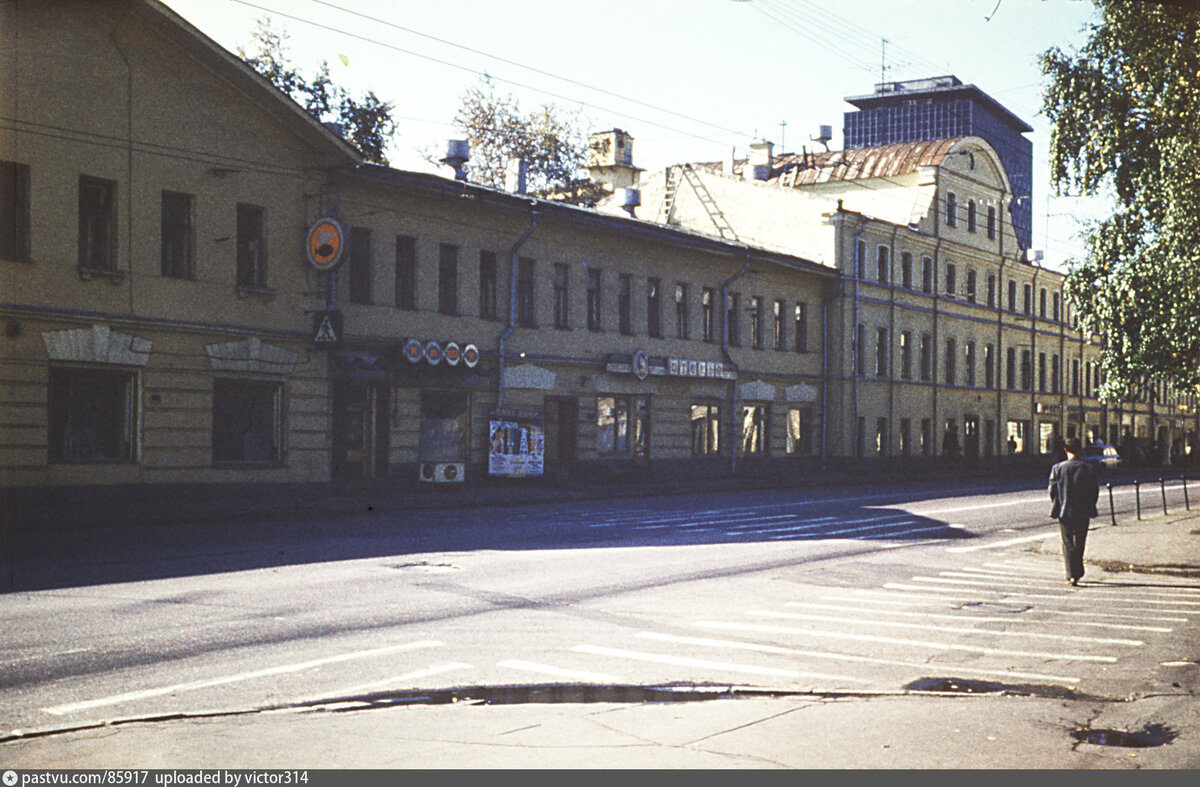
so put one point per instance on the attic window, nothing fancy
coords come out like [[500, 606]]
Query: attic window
[[971, 161]]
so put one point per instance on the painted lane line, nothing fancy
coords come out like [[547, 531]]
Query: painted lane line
[[762, 613], [898, 523], [132, 696], [897, 641], [871, 520], [972, 618], [717, 522], [1107, 600], [816, 654], [999, 596], [890, 532], [1001, 544], [721, 665], [1038, 581], [557, 672], [400, 679]]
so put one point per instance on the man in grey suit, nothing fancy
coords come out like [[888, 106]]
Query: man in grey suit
[[1073, 493]]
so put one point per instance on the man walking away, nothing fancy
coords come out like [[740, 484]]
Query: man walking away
[[1073, 493]]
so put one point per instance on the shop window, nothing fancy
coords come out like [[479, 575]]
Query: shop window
[[406, 272], [444, 426], [800, 431], [622, 426], [251, 246], [1018, 434], [447, 278], [706, 429], [360, 265], [91, 415], [178, 236], [14, 210], [98, 224], [487, 285], [246, 421], [754, 429]]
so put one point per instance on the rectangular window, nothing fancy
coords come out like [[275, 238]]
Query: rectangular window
[[706, 429], [707, 306], [991, 223], [754, 429], [906, 355], [612, 425], [526, 314], [178, 236], [860, 260], [14, 210], [971, 215], [906, 271], [1010, 369], [562, 302], [360, 265], [625, 304], [926, 357], [447, 278], [883, 264], [777, 332], [991, 291], [251, 246], [98, 223], [1074, 377], [653, 308], [1057, 307], [881, 437], [406, 272], [800, 431], [756, 322], [905, 437], [926, 274], [951, 279], [593, 299], [732, 323], [801, 328], [443, 430], [926, 436], [1042, 373], [1042, 303], [951, 209], [970, 285], [1012, 295], [860, 350], [681, 310], [1026, 370], [1055, 374], [246, 421], [951, 361], [989, 366], [91, 415], [969, 363], [1028, 298], [487, 285], [881, 352]]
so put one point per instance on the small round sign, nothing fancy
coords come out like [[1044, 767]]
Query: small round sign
[[433, 353], [452, 353], [470, 356], [414, 351], [326, 241]]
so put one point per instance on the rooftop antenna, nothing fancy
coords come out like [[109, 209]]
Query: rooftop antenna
[[782, 129], [883, 66]]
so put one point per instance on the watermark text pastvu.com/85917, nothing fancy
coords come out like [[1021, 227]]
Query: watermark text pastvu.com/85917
[[165, 778]]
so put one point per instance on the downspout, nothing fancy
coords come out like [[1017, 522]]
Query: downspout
[[859, 351], [825, 301], [512, 296], [733, 415], [891, 366]]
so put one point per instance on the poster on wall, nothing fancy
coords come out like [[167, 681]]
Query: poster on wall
[[517, 442]]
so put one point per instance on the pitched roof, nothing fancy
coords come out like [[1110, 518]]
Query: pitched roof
[[884, 161]]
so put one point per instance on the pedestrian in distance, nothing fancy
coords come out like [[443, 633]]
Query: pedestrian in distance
[[1073, 493]]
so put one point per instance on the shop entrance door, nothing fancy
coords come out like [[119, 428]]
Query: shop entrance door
[[562, 436], [360, 428]]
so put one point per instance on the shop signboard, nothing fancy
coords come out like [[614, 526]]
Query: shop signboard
[[517, 443]]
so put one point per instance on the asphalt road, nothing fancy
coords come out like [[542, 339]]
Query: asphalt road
[[854, 590]]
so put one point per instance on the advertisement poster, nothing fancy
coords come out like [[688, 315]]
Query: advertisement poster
[[517, 444]]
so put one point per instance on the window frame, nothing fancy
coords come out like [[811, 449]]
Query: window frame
[[488, 284], [97, 219], [405, 283], [67, 387], [177, 237], [252, 246], [360, 265], [448, 278], [16, 203], [562, 296]]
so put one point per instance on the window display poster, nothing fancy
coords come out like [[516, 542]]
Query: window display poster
[[517, 445]]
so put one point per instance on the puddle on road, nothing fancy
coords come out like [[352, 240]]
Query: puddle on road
[[964, 686], [1150, 735]]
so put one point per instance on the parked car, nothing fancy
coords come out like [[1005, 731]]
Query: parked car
[[1101, 457]]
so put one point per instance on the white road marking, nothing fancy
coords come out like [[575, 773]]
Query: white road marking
[[1107, 600], [1039, 581], [1005, 596], [762, 613], [398, 679], [972, 617], [1001, 544], [776, 649], [557, 672], [895, 641], [721, 665], [132, 696]]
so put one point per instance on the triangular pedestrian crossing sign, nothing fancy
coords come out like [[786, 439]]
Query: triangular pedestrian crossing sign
[[325, 331], [327, 328]]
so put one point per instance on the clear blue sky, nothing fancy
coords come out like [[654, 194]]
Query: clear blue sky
[[687, 78]]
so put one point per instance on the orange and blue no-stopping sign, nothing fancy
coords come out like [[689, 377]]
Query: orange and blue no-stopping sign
[[326, 241]]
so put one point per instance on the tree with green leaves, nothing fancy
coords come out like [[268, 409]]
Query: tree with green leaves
[[1125, 114], [366, 121], [550, 141]]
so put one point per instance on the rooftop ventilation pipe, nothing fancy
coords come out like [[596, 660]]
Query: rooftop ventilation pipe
[[759, 165], [458, 151], [630, 200], [516, 173]]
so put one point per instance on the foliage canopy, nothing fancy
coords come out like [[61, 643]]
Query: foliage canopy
[[1125, 114], [367, 121]]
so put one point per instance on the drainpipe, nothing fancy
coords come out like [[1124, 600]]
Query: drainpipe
[[825, 302], [859, 351], [733, 415], [512, 295]]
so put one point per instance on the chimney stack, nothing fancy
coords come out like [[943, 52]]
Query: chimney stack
[[759, 165]]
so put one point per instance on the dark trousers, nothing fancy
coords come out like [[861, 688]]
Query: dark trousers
[[1074, 535]]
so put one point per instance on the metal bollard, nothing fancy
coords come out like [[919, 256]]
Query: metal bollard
[[1163, 485], [1112, 511], [1137, 494], [1186, 504]]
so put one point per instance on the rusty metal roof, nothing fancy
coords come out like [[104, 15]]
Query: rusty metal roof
[[884, 161]]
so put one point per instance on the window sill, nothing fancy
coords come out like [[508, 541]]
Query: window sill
[[250, 291], [87, 274]]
